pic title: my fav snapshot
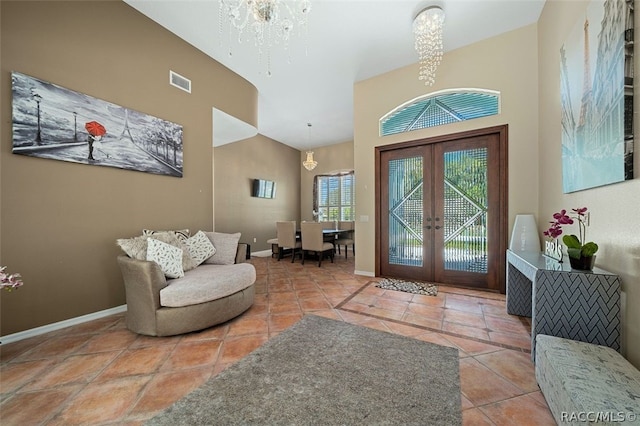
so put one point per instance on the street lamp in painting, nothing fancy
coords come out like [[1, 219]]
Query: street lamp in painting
[[38, 98], [75, 126]]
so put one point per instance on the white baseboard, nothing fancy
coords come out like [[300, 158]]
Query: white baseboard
[[10, 338], [263, 253], [365, 273]]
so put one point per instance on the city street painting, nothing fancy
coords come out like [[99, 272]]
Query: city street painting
[[50, 121], [596, 93]]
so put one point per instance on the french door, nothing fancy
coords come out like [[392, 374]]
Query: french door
[[442, 209]]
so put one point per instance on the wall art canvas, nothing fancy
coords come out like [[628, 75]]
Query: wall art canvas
[[596, 89], [53, 122]]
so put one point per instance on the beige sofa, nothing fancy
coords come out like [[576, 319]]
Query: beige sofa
[[206, 295]]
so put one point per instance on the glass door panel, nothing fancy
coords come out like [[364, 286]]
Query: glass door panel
[[465, 210], [405, 207]]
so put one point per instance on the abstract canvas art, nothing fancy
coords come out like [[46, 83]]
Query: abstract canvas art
[[596, 89], [50, 121]]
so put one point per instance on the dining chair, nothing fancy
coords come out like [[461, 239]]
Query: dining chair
[[286, 232], [274, 246], [346, 238], [312, 240], [331, 224], [330, 238]]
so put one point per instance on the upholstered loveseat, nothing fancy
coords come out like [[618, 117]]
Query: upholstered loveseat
[[205, 290]]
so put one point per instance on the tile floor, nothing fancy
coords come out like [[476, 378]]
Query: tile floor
[[99, 373]]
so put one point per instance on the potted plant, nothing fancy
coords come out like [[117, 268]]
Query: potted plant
[[581, 253]]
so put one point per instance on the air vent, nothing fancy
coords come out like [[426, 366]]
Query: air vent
[[179, 81]]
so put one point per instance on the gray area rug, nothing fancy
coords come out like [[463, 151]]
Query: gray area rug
[[327, 372], [428, 289]]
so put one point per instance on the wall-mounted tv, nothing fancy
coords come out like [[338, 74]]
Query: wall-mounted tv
[[264, 188]]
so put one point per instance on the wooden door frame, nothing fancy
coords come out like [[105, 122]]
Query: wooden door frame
[[502, 131]]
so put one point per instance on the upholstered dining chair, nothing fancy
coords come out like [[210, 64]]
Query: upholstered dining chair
[[346, 239], [286, 232], [329, 238], [312, 240], [328, 224], [274, 246]]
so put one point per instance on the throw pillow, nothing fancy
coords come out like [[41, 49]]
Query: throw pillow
[[200, 247], [170, 237], [182, 234], [167, 256], [135, 248], [226, 248]]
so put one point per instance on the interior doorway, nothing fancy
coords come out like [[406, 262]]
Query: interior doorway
[[443, 210]]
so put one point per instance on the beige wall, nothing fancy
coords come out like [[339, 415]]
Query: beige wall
[[60, 220], [331, 159], [615, 222], [507, 63], [236, 165]]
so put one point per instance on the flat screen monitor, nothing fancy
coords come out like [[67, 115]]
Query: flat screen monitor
[[264, 188]]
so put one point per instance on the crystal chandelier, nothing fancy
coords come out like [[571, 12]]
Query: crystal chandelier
[[427, 29], [309, 163], [268, 21]]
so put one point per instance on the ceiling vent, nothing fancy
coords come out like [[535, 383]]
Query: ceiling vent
[[179, 81]]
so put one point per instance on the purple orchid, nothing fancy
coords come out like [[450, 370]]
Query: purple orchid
[[555, 230], [9, 281]]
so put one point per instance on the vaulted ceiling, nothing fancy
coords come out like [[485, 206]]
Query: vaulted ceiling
[[347, 41]]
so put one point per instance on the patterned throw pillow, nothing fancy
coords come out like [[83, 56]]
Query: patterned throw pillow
[[167, 256], [182, 234], [226, 248], [136, 247], [200, 247], [170, 237]]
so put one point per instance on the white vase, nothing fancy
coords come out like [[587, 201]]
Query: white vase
[[524, 236]]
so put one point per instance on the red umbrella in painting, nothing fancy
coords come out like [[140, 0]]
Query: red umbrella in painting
[[95, 129]]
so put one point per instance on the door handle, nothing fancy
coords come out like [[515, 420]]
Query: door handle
[[438, 226]]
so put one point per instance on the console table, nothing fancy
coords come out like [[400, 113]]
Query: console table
[[564, 302]]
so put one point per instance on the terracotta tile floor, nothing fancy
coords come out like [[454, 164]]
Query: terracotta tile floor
[[99, 373]]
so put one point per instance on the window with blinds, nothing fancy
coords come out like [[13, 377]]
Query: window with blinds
[[437, 109], [334, 197]]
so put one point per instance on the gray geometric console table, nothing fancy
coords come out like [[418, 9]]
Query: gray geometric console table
[[564, 302]]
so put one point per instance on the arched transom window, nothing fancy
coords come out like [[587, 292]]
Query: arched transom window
[[443, 107]]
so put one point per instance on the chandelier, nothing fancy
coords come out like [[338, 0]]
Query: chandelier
[[427, 29], [309, 163], [269, 22]]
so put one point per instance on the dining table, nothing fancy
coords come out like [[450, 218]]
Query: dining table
[[329, 235], [327, 232]]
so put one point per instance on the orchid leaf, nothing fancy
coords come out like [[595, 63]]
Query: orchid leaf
[[572, 242], [589, 249], [574, 252]]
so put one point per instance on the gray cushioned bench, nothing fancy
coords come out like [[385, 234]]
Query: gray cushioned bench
[[585, 383]]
